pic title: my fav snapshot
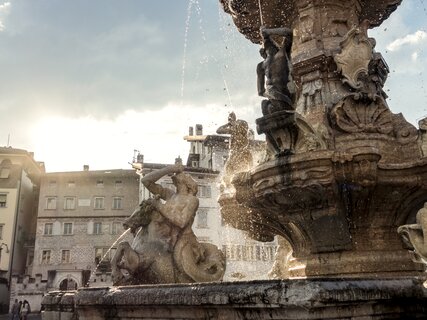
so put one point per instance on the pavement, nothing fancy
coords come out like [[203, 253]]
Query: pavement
[[31, 316]]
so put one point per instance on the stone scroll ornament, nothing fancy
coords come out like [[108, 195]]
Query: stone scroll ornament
[[165, 249], [414, 236]]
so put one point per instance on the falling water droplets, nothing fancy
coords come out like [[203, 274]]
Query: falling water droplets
[[184, 58]]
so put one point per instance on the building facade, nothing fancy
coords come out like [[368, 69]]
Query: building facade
[[246, 258], [80, 217], [20, 178]]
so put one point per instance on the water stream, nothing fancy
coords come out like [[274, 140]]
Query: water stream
[[106, 254], [184, 57]]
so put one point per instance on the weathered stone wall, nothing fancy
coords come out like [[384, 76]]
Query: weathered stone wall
[[30, 289]]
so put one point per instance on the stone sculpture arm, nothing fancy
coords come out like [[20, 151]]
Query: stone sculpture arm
[[149, 181], [286, 33], [267, 32], [260, 79]]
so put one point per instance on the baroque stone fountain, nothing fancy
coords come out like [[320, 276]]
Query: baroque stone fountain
[[343, 182], [344, 171]]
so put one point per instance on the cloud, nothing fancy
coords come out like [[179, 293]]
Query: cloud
[[5, 7], [4, 11], [413, 39]]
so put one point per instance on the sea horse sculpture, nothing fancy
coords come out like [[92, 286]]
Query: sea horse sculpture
[[165, 249], [240, 157], [415, 235]]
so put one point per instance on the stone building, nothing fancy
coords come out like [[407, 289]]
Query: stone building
[[80, 217], [19, 193], [246, 258]]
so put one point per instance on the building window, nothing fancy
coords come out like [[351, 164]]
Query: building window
[[99, 203], [239, 252], [30, 257], [51, 203], [224, 160], [48, 229], [65, 256], [117, 203], [118, 183], [202, 218], [1, 231], [102, 254], [204, 192], [71, 184], [258, 253], [3, 200], [68, 228], [116, 228], [97, 227], [4, 173], [52, 183], [69, 203], [46, 257], [99, 183]]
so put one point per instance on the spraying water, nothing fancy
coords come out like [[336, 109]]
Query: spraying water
[[184, 58], [194, 5], [106, 254]]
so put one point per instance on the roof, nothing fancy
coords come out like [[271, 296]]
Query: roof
[[36, 165], [93, 173]]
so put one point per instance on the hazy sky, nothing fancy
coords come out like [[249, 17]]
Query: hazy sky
[[87, 82]]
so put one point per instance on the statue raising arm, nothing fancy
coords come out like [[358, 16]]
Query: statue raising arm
[[261, 76], [149, 181], [180, 207], [284, 32]]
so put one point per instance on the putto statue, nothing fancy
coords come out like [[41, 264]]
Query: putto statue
[[415, 235], [165, 249]]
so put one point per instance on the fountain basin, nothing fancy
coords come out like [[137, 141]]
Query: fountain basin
[[286, 299], [288, 13], [339, 210]]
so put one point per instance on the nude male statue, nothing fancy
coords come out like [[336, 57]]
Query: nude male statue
[[273, 73], [165, 249]]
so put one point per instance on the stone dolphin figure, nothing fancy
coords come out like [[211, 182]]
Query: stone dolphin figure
[[415, 235]]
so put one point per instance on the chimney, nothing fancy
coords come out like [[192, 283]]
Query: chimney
[[199, 130], [140, 158], [190, 131], [86, 167]]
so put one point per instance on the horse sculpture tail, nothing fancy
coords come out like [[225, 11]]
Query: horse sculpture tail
[[202, 262]]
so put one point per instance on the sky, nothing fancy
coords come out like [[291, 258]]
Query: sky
[[89, 82]]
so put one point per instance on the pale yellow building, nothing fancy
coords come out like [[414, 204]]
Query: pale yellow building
[[19, 193]]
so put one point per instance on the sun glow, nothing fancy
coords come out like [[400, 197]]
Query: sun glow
[[67, 144]]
